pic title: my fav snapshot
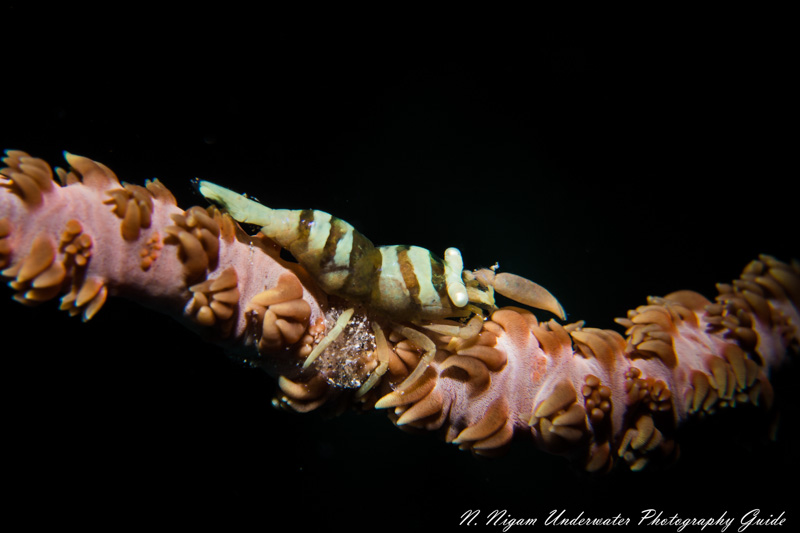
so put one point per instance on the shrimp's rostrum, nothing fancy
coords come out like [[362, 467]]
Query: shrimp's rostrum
[[402, 283]]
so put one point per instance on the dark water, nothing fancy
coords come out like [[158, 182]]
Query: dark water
[[605, 167]]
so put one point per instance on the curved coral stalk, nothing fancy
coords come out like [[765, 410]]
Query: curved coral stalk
[[90, 237], [590, 394], [600, 398]]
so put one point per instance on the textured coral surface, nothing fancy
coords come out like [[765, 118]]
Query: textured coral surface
[[586, 393], [599, 196]]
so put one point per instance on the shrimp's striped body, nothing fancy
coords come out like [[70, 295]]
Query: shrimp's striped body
[[404, 283]]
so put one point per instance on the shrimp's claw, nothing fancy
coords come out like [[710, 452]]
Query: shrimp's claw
[[519, 289], [526, 292]]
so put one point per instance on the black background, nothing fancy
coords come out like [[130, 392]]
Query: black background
[[606, 162]]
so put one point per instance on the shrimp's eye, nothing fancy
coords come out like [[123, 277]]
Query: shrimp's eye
[[453, 266]]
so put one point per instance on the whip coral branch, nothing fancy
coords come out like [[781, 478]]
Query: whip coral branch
[[591, 394]]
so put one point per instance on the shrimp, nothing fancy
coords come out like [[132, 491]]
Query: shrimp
[[403, 283]]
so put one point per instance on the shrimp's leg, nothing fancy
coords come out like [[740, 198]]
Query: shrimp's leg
[[383, 352], [455, 329], [335, 331], [424, 342]]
